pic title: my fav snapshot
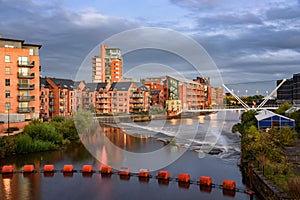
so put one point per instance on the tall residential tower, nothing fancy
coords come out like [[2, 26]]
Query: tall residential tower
[[108, 67]]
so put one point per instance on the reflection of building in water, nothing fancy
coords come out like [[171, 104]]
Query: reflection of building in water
[[27, 186]]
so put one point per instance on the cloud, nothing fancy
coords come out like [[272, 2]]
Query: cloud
[[283, 13], [67, 36]]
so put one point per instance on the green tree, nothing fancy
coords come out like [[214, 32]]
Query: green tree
[[282, 108]]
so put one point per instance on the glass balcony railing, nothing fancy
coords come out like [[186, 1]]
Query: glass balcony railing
[[23, 75], [25, 87], [25, 98], [26, 109], [25, 63]]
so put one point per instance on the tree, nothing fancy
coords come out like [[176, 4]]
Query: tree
[[282, 108]]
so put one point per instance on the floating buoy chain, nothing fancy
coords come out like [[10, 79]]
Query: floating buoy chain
[[68, 170]]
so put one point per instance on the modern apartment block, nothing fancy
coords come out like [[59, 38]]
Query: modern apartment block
[[20, 65], [289, 91], [108, 67], [190, 94]]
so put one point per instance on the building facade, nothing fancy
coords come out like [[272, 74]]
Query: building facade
[[20, 65], [108, 67], [289, 91], [184, 94]]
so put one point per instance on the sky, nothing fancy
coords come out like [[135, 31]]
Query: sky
[[252, 43]]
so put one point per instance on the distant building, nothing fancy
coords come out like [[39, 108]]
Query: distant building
[[20, 66], [108, 67], [217, 96], [289, 91], [205, 81]]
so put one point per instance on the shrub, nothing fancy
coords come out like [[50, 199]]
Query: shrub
[[44, 132]]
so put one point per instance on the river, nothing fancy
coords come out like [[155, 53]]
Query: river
[[205, 147]]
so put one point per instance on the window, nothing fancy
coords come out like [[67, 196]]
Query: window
[[7, 70], [7, 93], [7, 105], [7, 82], [31, 52], [7, 58]]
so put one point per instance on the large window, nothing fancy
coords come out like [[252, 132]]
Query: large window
[[23, 60], [7, 58], [7, 82]]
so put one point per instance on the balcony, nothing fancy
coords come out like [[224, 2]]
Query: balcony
[[51, 103], [62, 103], [27, 76], [136, 107], [25, 87], [51, 110], [62, 96], [26, 98], [51, 96], [26, 64], [137, 96], [61, 110], [25, 109]]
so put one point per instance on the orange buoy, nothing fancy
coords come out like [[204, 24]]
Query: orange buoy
[[124, 171], [87, 169], [144, 173], [183, 178], [48, 168], [105, 169], [163, 175], [68, 168], [205, 180], [7, 169], [28, 168], [229, 185]]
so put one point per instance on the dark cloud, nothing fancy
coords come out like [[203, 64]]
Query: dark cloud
[[67, 37]]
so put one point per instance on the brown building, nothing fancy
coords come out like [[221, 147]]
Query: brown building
[[58, 97], [20, 65]]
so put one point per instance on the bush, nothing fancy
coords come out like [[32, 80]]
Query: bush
[[25, 144], [44, 132]]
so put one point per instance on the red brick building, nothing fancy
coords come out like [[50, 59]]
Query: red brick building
[[20, 65]]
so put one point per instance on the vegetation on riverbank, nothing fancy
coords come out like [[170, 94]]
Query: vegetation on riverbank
[[40, 136], [265, 150]]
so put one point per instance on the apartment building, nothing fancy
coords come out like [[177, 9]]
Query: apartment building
[[20, 65], [108, 67], [184, 94], [58, 97], [157, 91]]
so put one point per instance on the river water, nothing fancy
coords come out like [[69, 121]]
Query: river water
[[204, 146]]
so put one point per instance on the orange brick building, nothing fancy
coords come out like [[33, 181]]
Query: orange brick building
[[20, 65]]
